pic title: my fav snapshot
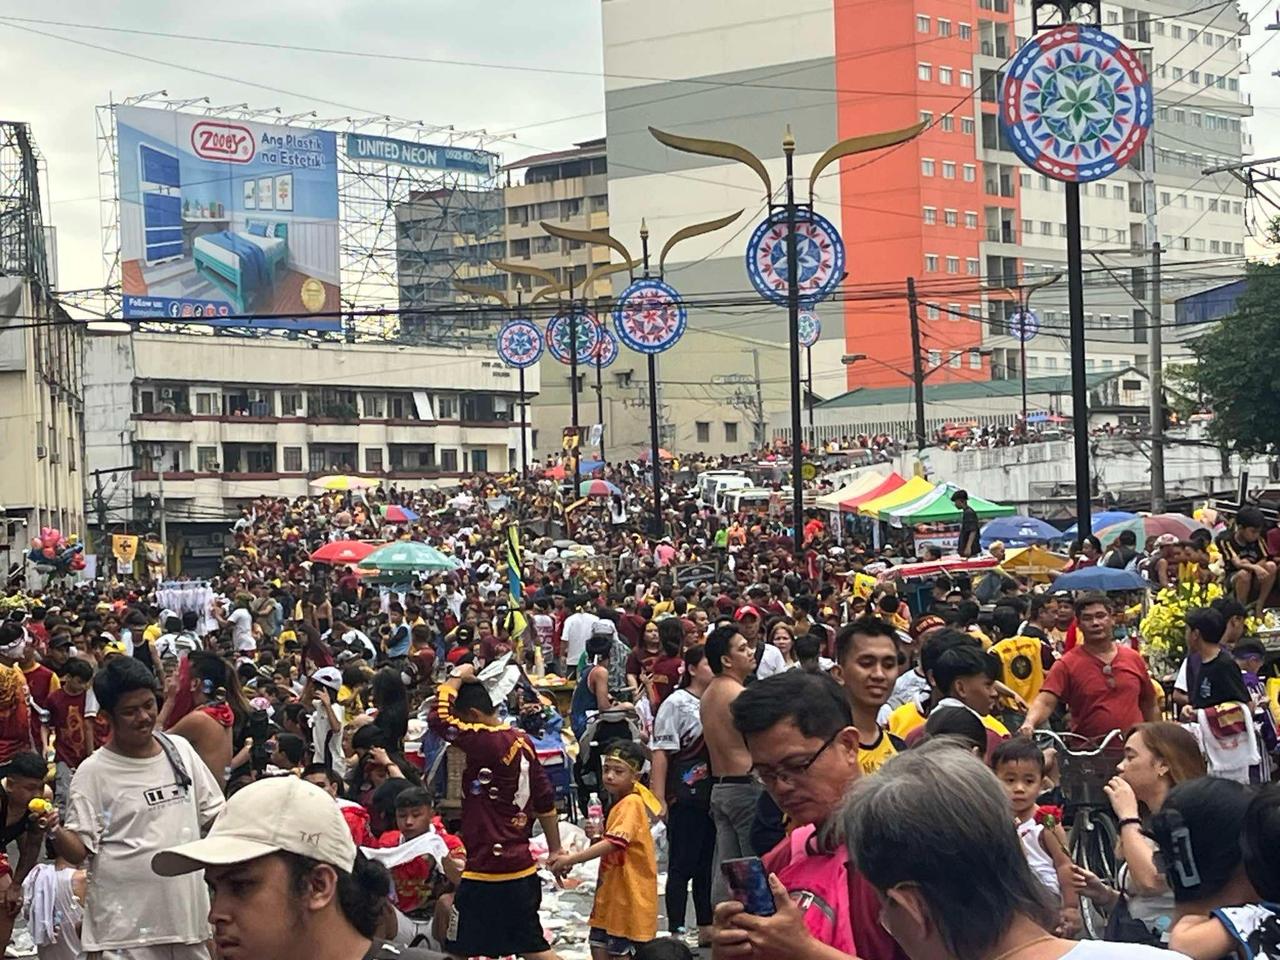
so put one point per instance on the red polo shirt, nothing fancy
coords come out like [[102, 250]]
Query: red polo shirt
[[1097, 706]]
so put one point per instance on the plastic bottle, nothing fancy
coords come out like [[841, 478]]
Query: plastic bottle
[[595, 817]]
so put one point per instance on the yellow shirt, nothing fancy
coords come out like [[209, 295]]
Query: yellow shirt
[[1023, 662], [908, 717], [626, 903], [872, 758]]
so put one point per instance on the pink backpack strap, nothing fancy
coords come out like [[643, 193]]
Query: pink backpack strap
[[798, 839]]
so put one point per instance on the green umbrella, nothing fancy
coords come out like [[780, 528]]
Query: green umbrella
[[407, 556]]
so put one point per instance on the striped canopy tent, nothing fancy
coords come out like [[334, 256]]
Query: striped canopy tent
[[911, 491], [868, 481], [936, 507], [884, 487]]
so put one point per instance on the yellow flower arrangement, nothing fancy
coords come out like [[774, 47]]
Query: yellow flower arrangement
[[1164, 628]]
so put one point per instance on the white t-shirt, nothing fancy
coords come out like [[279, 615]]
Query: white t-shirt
[[322, 734], [125, 810], [242, 629], [574, 635], [1107, 950], [678, 723], [771, 662], [177, 644]]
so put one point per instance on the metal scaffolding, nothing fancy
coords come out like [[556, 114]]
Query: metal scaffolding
[[404, 233], [23, 242]]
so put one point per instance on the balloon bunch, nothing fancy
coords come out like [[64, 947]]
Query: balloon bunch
[[52, 551]]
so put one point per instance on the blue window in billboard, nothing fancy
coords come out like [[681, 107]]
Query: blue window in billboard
[[227, 222]]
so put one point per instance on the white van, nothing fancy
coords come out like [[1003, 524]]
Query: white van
[[709, 483]]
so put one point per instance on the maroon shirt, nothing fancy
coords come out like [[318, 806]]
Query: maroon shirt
[[500, 761]]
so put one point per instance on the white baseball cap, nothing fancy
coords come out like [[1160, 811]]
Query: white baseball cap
[[328, 676], [276, 815]]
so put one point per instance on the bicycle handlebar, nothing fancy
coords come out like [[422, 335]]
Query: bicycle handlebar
[[1061, 741]]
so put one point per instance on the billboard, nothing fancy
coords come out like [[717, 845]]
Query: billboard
[[229, 222], [406, 153]]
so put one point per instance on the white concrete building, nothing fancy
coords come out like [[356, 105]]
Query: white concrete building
[[41, 427], [221, 420]]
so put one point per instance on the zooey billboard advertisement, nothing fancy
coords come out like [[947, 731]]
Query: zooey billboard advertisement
[[227, 222]]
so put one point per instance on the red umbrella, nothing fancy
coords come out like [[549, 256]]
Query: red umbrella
[[345, 551], [557, 472]]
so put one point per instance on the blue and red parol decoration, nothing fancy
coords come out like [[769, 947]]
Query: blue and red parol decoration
[[819, 256], [649, 316], [519, 343], [586, 330], [1076, 104]]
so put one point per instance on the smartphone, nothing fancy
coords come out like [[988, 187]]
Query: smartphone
[[749, 884]]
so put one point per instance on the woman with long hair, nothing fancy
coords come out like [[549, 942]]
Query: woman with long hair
[[681, 779], [1157, 757], [205, 705], [783, 636], [391, 701]]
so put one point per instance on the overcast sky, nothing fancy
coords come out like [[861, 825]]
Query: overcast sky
[[54, 83]]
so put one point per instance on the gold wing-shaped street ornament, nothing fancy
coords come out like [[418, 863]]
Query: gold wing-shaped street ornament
[[717, 148], [586, 236], [608, 270], [693, 230], [475, 290], [526, 269], [863, 144], [551, 290]]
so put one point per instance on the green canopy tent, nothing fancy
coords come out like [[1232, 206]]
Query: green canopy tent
[[936, 507], [407, 556]]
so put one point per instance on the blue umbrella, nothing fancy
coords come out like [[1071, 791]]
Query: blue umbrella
[[1099, 520], [1018, 531], [1105, 579]]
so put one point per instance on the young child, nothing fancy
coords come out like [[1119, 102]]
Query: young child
[[1019, 765], [625, 913]]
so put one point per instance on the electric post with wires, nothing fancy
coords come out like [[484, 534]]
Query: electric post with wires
[[795, 257], [1076, 105]]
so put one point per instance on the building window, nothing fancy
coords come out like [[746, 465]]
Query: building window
[[922, 24], [935, 358], [972, 267], [944, 27], [375, 406], [924, 71], [966, 78], [970, 173], [971, 219], [207, 404], [373, 459], [975, 360], [702, 431], [930, 263], [730, 432], [926, 117], [975, 312], [948, 170], [955, 311], [930, 215], [447, 409], [291, 404], [966, 31], [951, 218], [966, 126], [1051, 363], [953, 264], [953, 361], [948, 123], [207, 459], [449, 461], [944, 75], [931, 311], [926, 167]]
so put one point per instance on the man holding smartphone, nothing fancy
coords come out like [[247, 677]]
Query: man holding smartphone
[[798, 728]]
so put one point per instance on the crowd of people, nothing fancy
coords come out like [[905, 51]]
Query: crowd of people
[[306, 760]]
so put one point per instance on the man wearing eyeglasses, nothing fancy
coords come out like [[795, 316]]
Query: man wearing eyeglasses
[[798, 727], [1105, 685]]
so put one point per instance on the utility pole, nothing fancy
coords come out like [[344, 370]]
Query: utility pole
[[1156, 376], [99, 503], [759, 409], [917, 366], [164, 530]]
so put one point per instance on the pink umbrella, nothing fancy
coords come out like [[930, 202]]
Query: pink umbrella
[[338, 552], [1148, 525]]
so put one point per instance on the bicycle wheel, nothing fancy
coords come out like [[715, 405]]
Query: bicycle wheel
[[1084, 844]]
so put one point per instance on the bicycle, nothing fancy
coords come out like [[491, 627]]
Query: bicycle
[[1091, 839]]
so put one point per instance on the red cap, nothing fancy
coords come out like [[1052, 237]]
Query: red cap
[[746, 611]]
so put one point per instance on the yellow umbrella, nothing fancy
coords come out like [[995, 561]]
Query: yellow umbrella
[[1033, 562], [340, 481], [913, 489]]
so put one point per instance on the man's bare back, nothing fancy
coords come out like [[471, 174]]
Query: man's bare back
[[729, 754]]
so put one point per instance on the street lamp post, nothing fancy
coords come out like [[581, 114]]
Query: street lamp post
[[1024, 300], [791, 210]]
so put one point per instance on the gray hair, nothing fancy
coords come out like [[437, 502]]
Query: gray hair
[[937, 818]]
